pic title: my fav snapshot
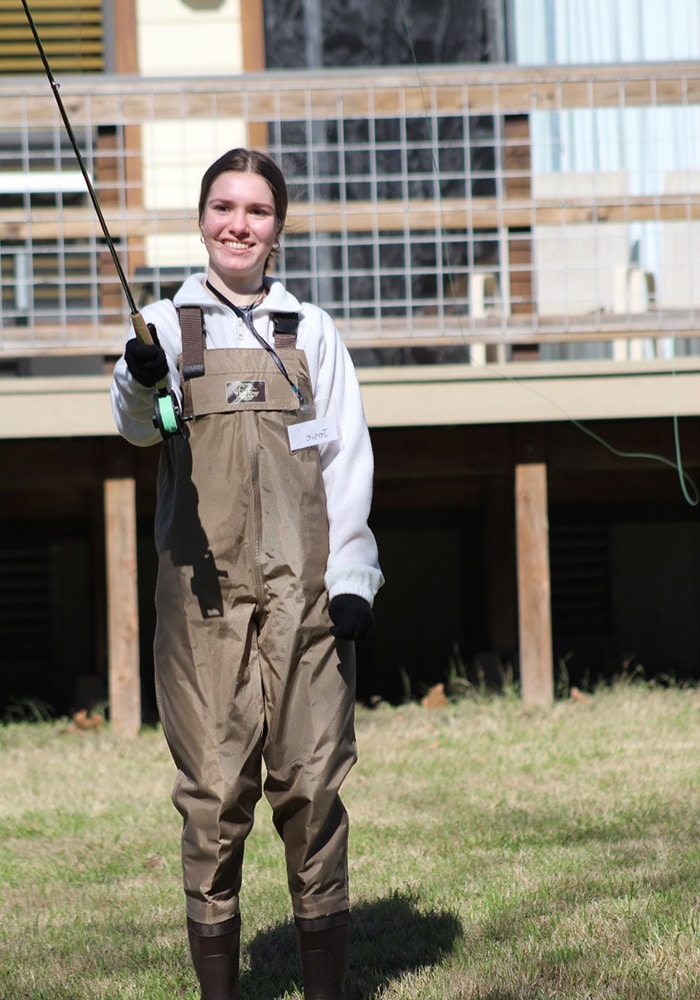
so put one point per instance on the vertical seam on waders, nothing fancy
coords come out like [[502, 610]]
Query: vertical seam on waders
[[252, 438]]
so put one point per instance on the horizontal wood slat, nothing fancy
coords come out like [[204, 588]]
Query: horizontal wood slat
[[44, 5], [452, 214], [107, 337], [392, 93]]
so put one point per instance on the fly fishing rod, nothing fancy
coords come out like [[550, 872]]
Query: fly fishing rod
[[167, 416]]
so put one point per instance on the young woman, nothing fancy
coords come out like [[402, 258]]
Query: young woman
[[267, 572]]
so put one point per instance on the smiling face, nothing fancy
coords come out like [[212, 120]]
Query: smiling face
[[239, 225]]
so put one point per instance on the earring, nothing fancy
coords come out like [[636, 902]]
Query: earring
[[276, 245], [202, 240]]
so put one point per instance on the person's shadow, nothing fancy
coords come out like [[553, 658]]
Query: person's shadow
[[182, 532], [387, 938]]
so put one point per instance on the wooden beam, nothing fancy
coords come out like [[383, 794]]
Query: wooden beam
[[253, 35], [124, 40], [122, 604], [253, 40], [53, 340], [452, 214], [456, 90], [534, 605], [126, 61]]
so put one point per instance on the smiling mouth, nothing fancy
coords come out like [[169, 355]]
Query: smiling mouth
[[235, 245]]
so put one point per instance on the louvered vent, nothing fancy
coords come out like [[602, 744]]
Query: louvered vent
[[25, 610], [71, 33], [580, 580]]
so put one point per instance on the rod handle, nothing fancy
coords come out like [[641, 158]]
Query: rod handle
[[144, 335], [140, 328]]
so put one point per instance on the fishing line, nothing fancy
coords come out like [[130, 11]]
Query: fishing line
[[689, 488], [687, 484], [166, 409], [55, 88]]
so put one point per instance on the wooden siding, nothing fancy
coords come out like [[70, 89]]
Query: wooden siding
[[71, 33]]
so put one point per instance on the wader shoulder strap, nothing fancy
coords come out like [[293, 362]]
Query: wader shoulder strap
[[285, 326], [192, 332]]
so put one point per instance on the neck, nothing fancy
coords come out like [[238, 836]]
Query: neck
[[241, 295]]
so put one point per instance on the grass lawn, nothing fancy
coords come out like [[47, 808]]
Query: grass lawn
[[496, 854]]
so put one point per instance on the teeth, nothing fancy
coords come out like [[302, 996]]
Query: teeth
[[235, 245]]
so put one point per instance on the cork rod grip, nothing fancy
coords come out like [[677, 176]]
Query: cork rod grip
[[140, 328]]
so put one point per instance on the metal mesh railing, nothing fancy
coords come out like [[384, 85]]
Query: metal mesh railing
[[503, 208]]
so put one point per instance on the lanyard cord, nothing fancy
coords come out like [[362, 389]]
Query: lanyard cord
[[245, 316]]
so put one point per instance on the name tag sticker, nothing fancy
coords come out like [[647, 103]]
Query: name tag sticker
[[312, 432]]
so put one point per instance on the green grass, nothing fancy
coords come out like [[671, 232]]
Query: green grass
[[496, 854]]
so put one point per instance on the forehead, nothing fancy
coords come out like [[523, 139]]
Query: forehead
[[241, 186]]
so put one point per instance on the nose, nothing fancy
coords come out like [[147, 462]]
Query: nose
[[238, 222]]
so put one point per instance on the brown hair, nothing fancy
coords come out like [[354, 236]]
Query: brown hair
[[244, 161]]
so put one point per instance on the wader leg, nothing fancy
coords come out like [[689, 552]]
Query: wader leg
[[307, 762], [323, 955], [210, 703], [215, 952]]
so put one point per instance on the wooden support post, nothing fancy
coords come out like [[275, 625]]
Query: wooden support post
[[125, 36], [122, 606], [517, 179], [534, 606], [253, 36]]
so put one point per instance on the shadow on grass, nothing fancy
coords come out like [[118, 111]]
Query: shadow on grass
[[387, 938]]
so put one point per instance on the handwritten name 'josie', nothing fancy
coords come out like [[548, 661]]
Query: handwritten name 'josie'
[[320, 435], [312, 432]]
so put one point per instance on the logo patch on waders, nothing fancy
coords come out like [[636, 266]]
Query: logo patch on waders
[[245, 392]]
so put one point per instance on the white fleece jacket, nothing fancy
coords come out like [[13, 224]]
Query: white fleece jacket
[[347, 464]]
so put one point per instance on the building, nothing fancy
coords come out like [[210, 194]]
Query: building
[[531, 378]]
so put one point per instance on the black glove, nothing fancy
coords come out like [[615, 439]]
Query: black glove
[[352, 617], [146, 362]]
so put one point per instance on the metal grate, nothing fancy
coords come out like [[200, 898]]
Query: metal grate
[[425, 210], [580, 580], [25, 608]]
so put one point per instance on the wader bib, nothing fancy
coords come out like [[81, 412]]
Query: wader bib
[[246, 669]]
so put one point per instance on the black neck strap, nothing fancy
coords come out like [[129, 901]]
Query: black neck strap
[[243, 312]]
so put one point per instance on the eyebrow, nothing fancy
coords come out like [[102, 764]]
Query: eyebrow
[[232, 201]]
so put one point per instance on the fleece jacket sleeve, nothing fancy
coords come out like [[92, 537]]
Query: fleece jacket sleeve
[[348, 469], [132, 403]]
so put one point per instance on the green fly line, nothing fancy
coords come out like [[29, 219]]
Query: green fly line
[[688, 486]]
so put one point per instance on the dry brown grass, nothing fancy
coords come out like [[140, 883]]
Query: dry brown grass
[[496, 854]]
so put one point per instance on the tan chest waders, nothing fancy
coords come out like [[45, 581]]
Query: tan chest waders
[[246, 669]]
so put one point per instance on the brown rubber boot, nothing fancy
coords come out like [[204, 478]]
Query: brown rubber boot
[[215, 950], [323, 954]]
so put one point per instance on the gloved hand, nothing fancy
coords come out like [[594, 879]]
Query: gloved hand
[[146, 362], [351, 615]]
